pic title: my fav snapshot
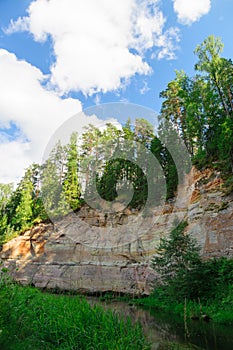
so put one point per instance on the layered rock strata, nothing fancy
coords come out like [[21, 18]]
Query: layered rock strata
[[93, 252]]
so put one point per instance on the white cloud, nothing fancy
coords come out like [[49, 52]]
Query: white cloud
[[14, 158], [166, 42], [21, 24], [145, 88], [190, 11], [98, 45], [35, 111]]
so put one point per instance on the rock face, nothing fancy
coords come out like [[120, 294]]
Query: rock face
[[91, 252]]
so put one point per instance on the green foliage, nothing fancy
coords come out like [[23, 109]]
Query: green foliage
[[6, 229], [201, 107], [22, 207], [5, 194], [54, 188], [31, 319], [71, 182], [212, 278], [23, 212], [166, 161], [52, 177], [216, 302], [185, 277], [177, 254], [7, 232], [133, 140], [118, 170]]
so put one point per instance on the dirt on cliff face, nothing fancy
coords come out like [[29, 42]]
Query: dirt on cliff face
[[93, 252]]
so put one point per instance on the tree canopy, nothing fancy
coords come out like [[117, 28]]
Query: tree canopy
[[199, 108]]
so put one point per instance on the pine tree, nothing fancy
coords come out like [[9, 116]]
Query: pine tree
[[23, 212], [71, 185], [52, 177]]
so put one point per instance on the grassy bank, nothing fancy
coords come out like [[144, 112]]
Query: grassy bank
[[30, 319], [217, 309]]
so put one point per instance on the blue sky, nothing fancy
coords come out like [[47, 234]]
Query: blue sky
[[59, 57]]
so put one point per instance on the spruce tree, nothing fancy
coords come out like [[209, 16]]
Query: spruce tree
[[177, 254]]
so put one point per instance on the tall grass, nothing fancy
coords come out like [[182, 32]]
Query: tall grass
[[30, 319]]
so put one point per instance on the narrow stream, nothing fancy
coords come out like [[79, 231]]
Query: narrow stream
[[160, 327]]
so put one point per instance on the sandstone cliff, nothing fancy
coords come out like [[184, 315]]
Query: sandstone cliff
[[92, 252]]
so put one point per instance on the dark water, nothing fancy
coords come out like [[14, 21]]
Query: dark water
[[160, 327]]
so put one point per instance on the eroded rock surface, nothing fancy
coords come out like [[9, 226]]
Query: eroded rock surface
[[95, 252]]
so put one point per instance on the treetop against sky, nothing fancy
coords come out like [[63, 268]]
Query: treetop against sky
[[59, 57]]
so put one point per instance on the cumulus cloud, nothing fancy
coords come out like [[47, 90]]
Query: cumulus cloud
[[190, 11], [35, 112], [166, 42], [98, 45], [14, 157]]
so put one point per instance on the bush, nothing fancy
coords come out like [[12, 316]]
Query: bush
[[185, 276], [176, 262]]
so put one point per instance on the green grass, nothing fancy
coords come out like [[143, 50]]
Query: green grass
[[219, 309], [31, 319]]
